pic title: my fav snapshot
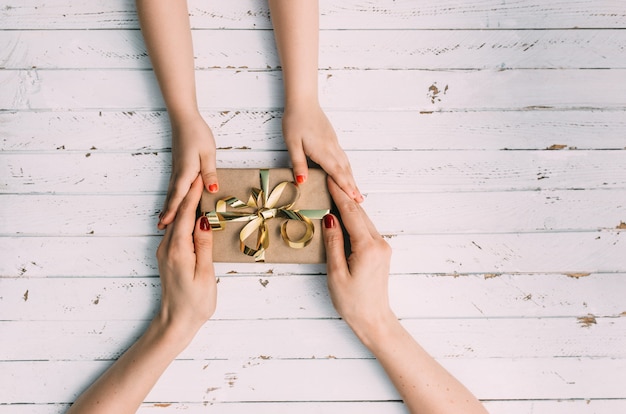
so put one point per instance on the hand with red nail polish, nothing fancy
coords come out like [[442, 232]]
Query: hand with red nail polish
[[188, 300], [306, 129], [358, 287], [357, 284], [193, 153], [167, 35], [186, 265], [308, 132]]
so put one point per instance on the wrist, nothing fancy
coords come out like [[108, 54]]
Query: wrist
[[182, 116], [305, 101], [374, 330], [176, 336]]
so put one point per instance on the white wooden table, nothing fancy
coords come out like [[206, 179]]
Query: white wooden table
[[489, 138]]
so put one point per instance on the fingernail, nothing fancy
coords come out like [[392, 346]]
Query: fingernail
[[300, 179], [161, 214], [204, 223], [329, 221], [213, 188]]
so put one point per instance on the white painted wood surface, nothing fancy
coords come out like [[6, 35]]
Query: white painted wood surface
[[489, 138]]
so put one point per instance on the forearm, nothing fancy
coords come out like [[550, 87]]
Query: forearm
[[124, 386], [167, 35], [424, 385], [296, 27]]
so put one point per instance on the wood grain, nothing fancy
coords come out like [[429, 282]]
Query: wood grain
[[417, 90], [393, 172], [339, 49], [570, 406], [273, 380], [352, 14], [325, 339], [427, 213], [300, 296], [147, 131]]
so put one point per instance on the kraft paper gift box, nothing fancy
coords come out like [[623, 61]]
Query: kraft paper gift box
[[261, 215]]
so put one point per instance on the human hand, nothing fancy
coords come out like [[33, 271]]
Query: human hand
[[358, 285], [359, 290], [193, 153], [188, 284], [308, 131]]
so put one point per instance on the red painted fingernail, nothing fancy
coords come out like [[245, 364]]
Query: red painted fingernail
[[329, 221], [213, 188], [300, 179], [204, 223]]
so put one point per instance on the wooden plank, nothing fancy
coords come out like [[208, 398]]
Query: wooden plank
[[94, 172], [319, 380], [339, 49], [569, 252], [568, 406], [418, 90], [357, 130], [324, 338], [572, 406], [306, 297], [46, 131], [393, 214], [353, 14]]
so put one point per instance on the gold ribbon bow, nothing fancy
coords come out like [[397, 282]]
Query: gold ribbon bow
[[264, 204]]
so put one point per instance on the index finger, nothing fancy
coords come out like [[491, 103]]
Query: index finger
[[352, 216], [185, 220]]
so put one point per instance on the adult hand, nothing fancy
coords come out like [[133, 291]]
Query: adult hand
[[188, 299], [358, 289], [308, 131], [357, 284], [193, 153], [189, 290]]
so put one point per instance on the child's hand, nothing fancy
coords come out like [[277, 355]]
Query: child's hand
[[308, 131], [193, 153]]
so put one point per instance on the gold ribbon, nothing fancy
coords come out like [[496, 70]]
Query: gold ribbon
[[264, 204]]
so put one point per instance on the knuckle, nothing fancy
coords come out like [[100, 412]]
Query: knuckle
[[204, 242], [333, 240], [209, 173], [333, 166], [160, 253], [350, 207], [384, 248]]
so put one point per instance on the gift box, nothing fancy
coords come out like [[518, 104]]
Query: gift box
[[263, 216]]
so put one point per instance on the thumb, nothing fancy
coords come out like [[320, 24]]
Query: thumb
[[208, 172], [203, 243], [336, 263], [298, 161]]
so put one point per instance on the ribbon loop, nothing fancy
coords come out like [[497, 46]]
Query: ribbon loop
[[264, 204]]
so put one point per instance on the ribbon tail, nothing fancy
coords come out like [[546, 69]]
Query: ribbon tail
[[265, 184], [314, 214], [216, 220], [263, 240]]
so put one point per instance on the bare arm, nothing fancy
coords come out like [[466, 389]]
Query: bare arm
[[188, 300], [359, 290], [166, 32], [306, 128]]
